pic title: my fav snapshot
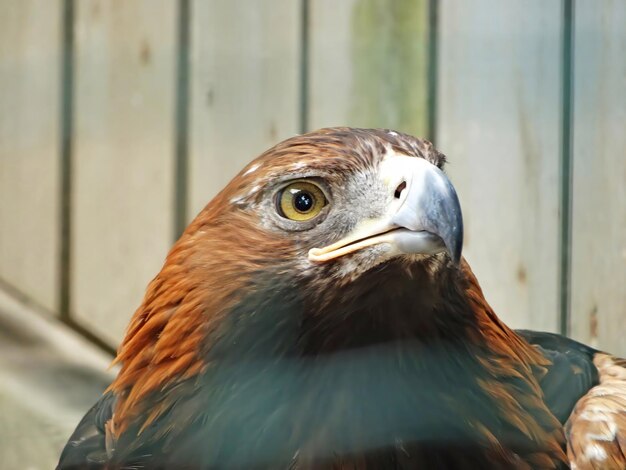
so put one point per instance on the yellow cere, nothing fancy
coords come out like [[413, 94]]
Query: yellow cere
[[301, 200]]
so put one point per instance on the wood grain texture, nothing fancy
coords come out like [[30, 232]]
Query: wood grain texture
[[599, 176], [368, 64], [30, 44], [499, 108], [244, 87], [123, 160]]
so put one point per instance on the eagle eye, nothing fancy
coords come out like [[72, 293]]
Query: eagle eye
[[300, 201]]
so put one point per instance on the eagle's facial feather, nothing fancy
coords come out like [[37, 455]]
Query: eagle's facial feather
[[421, 214], [352, 169]]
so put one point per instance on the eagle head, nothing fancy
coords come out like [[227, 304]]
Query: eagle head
[[321, 219], [318, 305], [352, 199]]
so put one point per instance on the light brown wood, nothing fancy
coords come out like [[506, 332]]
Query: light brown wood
[[498, 122], [369, 64], [123, 161], [599, 178], [29, 147], [244, 87]]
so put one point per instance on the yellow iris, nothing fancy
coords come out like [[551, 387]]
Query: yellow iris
[[301, 201]]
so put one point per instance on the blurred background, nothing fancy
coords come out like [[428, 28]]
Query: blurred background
[[121, 119]]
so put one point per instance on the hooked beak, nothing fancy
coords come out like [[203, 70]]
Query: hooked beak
[[424, 216]]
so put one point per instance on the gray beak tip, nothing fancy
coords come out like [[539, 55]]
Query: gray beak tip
[[442, 213]]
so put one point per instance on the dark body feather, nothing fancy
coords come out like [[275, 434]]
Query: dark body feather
[[586, 389], [403, 391], [571, 373], [86, 447]]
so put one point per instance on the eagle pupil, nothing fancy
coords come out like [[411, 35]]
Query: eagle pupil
[[303, 201]]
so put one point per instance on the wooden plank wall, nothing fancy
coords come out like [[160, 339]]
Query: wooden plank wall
[[368, 64], [260, 71], [123, 145], [30, 40], [499, 108], [244, 87], [599, 196]]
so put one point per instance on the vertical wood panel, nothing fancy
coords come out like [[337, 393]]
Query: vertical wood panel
[[499, 112], [369, 64], [29, 164], [599, 200], [244, 87], [123, 156]]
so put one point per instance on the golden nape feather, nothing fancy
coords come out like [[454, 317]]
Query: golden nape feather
[[318, 313]]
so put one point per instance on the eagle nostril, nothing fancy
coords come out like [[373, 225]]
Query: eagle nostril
[[401, 187]]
